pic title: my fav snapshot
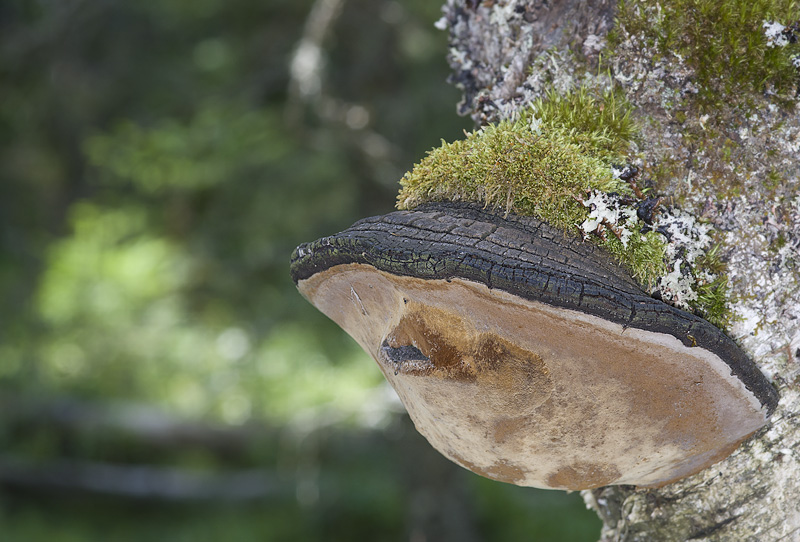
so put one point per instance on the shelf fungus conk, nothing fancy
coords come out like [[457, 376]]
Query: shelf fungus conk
[[531, 357]]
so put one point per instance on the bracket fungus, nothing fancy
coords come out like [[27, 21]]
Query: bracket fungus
[[532, 357]]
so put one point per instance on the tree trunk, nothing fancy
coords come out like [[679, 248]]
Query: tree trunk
[[723, 142]]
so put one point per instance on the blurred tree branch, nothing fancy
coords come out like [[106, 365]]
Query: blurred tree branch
[[142, 481]]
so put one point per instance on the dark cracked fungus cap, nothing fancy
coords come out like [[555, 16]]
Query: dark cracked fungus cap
[[529, 356]]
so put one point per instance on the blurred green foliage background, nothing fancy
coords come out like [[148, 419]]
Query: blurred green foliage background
[[160, 377]]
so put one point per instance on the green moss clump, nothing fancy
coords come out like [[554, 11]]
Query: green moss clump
[[599, 123], [724, 41], [713, 302], [713, 291], [508, 166], [542, 164], [538, 164]]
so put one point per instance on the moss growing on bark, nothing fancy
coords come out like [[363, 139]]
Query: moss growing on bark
[[539, 164], [599, 123], [734, 48]]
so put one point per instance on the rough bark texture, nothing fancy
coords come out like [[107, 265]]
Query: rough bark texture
[[506, 54]]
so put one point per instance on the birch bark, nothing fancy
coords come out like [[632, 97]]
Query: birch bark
[[735, 165]]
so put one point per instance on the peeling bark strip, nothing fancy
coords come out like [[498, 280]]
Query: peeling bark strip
[[522, 256], [530, 357]]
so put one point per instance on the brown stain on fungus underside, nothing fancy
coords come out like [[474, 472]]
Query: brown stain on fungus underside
[[583, 476], [504, 428], [455, 352], [445, 360], [502, 471]]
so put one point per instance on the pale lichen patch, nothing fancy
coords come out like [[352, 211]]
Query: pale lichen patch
[[775, 33], [677, 286], [609, 211], [764, 275]]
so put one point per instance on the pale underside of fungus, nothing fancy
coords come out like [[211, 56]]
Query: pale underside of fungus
[[528, 355]]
